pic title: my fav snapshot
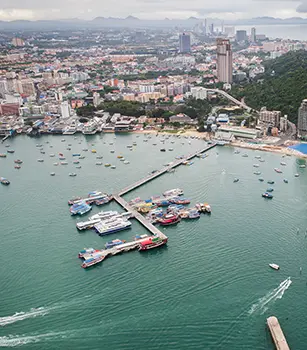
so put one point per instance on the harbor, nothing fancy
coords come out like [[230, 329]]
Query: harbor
[[214, 271], [277, 334]]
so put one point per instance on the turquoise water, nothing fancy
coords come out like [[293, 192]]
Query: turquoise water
[[301, 147], [209, 288]]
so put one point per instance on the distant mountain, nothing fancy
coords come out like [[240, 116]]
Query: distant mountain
[[134, 22]]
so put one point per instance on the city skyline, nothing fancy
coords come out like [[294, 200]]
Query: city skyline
[[148, 9]]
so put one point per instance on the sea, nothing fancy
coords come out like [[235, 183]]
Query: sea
[[211, 287], [289, 31], [301, 147]]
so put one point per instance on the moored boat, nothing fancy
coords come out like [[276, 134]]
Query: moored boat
[[152, 242], [267, 195], [274, 266], [18, 161], [169, 219], [113, 243], [93, 261], [278, 170], [4, 181], [2, 155], [173, 192]]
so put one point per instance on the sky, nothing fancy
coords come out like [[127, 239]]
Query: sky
[[150, 9]]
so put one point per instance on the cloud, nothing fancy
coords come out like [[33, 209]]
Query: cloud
[[38, 9]]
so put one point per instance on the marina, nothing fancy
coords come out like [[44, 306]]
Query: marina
[[207, 271]]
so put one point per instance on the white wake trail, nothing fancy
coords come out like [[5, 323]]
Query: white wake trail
[[17, 340], [277, 293]]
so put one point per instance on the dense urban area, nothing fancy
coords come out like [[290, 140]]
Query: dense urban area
[[230, 84]]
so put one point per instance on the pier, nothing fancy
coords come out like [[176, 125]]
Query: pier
[[163, 171], [149, 226], [277, 334]]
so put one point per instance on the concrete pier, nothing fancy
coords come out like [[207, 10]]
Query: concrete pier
[[277, 334], [163, 170]]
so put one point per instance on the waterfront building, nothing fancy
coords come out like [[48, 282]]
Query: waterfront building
[[184, 43], [302, 119], [224, 61], [269, 117], [65, 110], [253, 37], [241, 35]]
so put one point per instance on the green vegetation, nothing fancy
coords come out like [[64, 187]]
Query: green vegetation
[[282, 87], [129, 108]]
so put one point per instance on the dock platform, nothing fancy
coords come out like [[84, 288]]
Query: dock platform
[[277, 334]]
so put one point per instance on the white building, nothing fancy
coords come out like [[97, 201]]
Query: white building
[[199, 92], [146, 88], [96, 99], [65, 110]]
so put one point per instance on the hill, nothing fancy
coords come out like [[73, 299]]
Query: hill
[[282, 87]]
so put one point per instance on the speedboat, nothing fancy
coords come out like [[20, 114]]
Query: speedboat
[[286, 181], [274, 266], [244, 155], [283, 163], [72, 174], [113, 167], [4, 181], [261, 179], [297, 175], [267, 195], [163, 150], [278, 170], [10, 151], [270, 182], [52, 174], [40, 160], [236, 180], [270, 189]]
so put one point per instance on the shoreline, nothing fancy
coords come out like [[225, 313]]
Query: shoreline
[[204, 136]]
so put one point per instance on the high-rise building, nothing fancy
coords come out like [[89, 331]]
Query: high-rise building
[[184, 43], [224, 61], [302, 119], [96, 99], [211, 28], [253, 35], [269, 117], [65, 110], [241, 35]]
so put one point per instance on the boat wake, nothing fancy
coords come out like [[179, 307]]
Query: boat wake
[[262, 304], [17, 340], [41, 311], [20, 316]]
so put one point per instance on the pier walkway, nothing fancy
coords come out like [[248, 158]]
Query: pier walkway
[[163, 170], [277, 334], [149, 226]]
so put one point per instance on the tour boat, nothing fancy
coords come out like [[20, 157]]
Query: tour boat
[[267, 195], [274, 266], [103, 228], [173, 192], [152, 242], [4, 181], [169, 219], [18, 161], [278, 170], [113, 243], [93, 261]]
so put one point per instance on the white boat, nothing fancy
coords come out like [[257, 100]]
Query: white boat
[[52, 174], [302, 166], [173, 192], [104, 215], [70, 130], [104, 229], [274, 266], [90, 128]]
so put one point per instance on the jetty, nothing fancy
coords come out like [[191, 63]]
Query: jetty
[[163, 170], [140, 218], [277, 334]]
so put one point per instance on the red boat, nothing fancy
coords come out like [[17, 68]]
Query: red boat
[[152, 243], [169, 219]]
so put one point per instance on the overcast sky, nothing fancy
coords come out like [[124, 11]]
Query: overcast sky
[[150, 9]]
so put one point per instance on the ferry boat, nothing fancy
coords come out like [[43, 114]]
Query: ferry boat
[[70, 130], [80, 208], [105, 229], [169, 219], [152, 242], [93, 261], [267, 195], [18, 161], [113, 243], [4, 181], [104, 215], [90, 128], [278, 170], [173, 192], [2, 155]]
